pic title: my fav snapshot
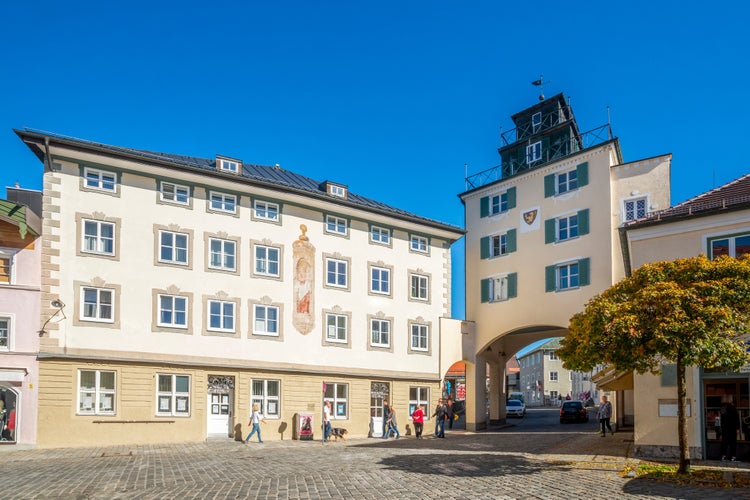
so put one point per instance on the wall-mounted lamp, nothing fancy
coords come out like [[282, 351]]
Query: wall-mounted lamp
[[59, 304]]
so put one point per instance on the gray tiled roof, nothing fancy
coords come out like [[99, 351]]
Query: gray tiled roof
[[263, 174]]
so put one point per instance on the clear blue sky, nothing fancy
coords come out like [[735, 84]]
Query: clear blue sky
[[391, 98]]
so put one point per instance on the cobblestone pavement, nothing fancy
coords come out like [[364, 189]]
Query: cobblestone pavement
[[463, 465]]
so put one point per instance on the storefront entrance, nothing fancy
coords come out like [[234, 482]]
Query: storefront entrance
[[9, 422], [717, 392]]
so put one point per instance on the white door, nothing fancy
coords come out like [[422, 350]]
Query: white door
[[219, 414]]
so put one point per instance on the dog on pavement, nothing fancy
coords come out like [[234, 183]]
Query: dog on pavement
[[339, 433]]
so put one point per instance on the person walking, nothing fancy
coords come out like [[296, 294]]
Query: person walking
[[327, 429], [439, 419], [604, 414], [392, 425], [418, 418], [730, 424], [386, 414], [255, 420], [449, 413]]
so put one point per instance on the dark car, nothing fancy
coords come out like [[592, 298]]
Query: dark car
[[573, 411]]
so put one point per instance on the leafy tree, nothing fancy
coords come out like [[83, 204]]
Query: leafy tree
[[691, 312]]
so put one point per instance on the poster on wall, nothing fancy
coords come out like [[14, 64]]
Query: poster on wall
[[305, 426], [460, 391]]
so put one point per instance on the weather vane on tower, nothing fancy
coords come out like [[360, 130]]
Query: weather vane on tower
[[540, 83]]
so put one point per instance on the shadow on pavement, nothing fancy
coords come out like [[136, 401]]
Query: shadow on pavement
[[477, 465]]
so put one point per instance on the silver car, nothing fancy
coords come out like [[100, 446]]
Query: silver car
[[515, 408]]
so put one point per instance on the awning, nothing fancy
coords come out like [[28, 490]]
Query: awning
[[610, 379], [457, 369]]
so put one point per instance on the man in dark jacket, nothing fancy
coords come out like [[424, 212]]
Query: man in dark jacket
[[730, 424], [439, 419], [386, 414]]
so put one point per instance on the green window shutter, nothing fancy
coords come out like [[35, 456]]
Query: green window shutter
[[584, 272], [512, 285], [549, 231], [511, 198], [484, 247], [484, 206], [582, 174], [583, 221], [549, 185], [510, 240], [485, 290], [550, 281]]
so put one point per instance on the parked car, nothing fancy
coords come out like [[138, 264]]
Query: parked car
[[573, 411], [515, 408]]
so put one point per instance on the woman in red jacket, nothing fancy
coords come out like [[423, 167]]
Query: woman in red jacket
[[418, 419]]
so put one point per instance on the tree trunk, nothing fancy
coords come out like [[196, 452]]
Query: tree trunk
[[681, 420]]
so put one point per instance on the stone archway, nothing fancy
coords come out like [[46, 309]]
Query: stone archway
[[485, 376]]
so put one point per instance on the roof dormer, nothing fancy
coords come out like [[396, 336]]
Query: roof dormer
[[335, 189], [228, 165]]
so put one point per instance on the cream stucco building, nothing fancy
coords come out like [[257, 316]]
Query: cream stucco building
[[714, 223], [194, 288], [542, 237]]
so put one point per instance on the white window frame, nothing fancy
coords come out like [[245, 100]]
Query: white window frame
[[567, 181], [227, 311], [227, 250], [172, 396], [553, 356], [232, 166], [261, 326], [97, 239], [336, 190], [99, 305], [381, 334], [337, 400], [534, 152], [559, 275], [421, 289], [498, 242], [264, 210], [554, 376], [566, 224], [380, 235], [499, 203], [419, 396], [419, 244], [174, 248], [262, 263], [419, 337], [219, 202], [536, 121], [179, 193], [382, 284], [270, 405], [9, 257], [98, 394], [499, 288], [173, 310], [630, 208], [336, 273], [6, 332], [101, 178], [336, 326], [336, 225]]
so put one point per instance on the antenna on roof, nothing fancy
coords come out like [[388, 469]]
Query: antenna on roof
[[540, 83]]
